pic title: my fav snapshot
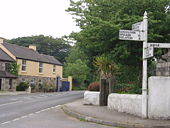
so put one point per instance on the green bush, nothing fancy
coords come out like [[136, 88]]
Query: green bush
[[94, 86], [23, 86], [129, 88], [79, 88], [49, 88]]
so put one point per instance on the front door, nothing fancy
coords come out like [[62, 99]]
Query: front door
[[0, 84]]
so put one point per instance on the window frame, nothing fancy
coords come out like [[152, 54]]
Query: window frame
[[24, 66], [54, 68], [40, 67]]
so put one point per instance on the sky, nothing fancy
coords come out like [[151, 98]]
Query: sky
[[19, 18]]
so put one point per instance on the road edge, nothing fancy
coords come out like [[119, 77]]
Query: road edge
[[98, 121]]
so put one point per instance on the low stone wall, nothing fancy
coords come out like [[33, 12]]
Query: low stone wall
[[129, 103], [91, 97]]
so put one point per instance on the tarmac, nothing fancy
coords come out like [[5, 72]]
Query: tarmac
[[102, 115], [5, 93]]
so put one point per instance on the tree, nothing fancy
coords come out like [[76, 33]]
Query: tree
[[57, 47], [101, 20], [78, 70], [108, 70]]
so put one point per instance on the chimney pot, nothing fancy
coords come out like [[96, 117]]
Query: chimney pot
[[33, 47], [2, 40]]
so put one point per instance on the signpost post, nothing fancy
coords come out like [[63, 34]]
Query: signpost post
[[139, 32], [144, 79]]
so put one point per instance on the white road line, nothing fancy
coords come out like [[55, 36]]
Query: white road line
[[23, 117], [31, 114], [10, 103], [16, 119], [5, 122]]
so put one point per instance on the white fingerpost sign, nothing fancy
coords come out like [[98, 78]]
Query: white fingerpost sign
[[139, 32], [140, 29], [148, 52], [159, 45], [131, 35], [137, 26]]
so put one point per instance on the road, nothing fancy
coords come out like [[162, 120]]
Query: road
[[40, 110]]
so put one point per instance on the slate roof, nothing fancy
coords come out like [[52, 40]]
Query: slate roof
[[5, 57], [28, 54], [4, 74]]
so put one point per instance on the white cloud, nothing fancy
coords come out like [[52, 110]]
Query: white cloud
[[33, 17]]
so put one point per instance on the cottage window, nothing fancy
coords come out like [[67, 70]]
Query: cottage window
[[32, 82], [23, 80], [54, 68], [10, 83], [40, 67], [24, 66]]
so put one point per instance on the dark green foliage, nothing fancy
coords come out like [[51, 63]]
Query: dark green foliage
[[13, 68], [57, 47], [76, 88], [23, 86], [94, 86], [127, 88], [48, 88], [100, 22], [76, 66]]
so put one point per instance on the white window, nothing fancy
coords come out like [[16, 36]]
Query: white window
[[40, 67], [24, 66], [54, 68]]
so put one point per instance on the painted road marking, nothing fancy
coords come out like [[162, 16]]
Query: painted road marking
[[10, 103], [31, 114]]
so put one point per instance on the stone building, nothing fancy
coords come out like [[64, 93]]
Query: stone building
[[8, 81], [34, 68], [163, 65]]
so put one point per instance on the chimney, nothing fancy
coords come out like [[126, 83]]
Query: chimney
[[33, 47], [2, 40]]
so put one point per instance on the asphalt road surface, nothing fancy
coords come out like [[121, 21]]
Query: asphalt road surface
[[40, 110]]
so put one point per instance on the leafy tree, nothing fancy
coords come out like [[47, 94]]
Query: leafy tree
[[101, 20], [57, 47], [78, 70], [13, 68]]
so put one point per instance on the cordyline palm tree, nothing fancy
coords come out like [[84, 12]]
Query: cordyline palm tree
[[108, 69]]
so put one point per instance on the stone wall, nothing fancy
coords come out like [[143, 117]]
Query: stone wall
[[2, 66], [5, 84], [129, 103], [37, 80], [159, 97], [91, 97], [163, 69]]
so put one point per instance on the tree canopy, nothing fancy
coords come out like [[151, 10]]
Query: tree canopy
[[101, 20], [57, 47]]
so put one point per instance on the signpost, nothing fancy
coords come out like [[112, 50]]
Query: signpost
[[148, 52], [159, 45], [137, 26], [139, 32], [131, 35]]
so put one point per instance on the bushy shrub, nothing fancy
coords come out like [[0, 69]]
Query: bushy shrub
[[130, 88], [49, 87], [23, 86], [94, 86]]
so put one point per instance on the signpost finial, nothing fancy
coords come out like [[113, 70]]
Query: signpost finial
[[145, 15]]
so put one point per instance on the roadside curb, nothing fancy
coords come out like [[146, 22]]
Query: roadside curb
[[99, 121]]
